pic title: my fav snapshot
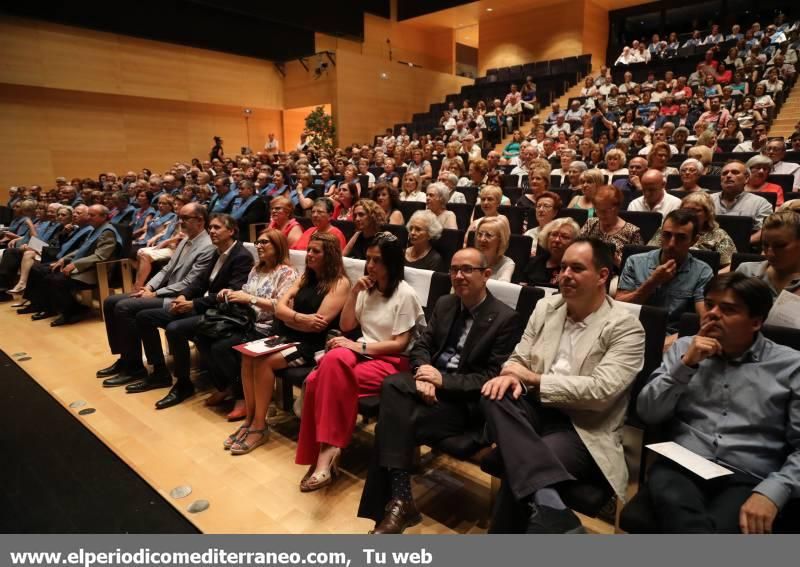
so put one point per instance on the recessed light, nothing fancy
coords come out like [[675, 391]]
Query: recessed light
[[490, 9]]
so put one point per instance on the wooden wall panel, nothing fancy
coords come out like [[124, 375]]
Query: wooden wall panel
[[60, 132], [367, 104], [595, 33], [294, 122], [548, 32], [61, 57]]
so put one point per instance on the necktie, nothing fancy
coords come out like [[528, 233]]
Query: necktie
[[453, 337]]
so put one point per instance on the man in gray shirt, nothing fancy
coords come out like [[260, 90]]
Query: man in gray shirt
[[734, 200], [670, 277], [730, 395]]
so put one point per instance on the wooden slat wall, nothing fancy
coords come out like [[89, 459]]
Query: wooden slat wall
[[595, 32]]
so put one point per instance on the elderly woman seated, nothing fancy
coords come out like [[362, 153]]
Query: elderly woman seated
[[490, 199], [607, 224], [572, 180], [691, 170], [760, 167], [554, 238], [710, 236], [423, 228], [780, 241], [437, 197], [539, 183], [492, 235], [547, 206], [615, 163]]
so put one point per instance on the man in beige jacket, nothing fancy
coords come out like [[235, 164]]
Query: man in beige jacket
[[557, 409]]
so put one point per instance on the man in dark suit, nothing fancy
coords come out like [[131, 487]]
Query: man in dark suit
[[248, 208], [470, 335], [229, 269], [189, 262]]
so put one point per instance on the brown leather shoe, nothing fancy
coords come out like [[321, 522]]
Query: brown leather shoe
[[400, 514]]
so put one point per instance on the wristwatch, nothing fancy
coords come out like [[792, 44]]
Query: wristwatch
[[253, 300]]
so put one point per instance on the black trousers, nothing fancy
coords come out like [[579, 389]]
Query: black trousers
[[60, 293], [405, 423], [120, 318], [224, 364], [179, 328], [539, 448], [36, 292], [685, 503], [9, 266]]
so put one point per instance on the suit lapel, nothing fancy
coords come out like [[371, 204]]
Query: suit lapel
[[446, 319], [483, 319], [551, 333]]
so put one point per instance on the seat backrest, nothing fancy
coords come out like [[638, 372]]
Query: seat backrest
[[580, 216], [654, 321], [305, 222], [515, 216], [769, 196], [785, 180], [528, 297], [399, 231], [739, 228], [450, 242], [347, 227], [519, 250], [463, 212], [710, 182], [470, 193], [440, 286], [408, 208], [673, 181], [648, 222], [791, 195], [741, 257], [513, 193]]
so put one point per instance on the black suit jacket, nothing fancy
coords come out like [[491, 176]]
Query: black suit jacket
[[256, 212], [495, 331], [232, 275]]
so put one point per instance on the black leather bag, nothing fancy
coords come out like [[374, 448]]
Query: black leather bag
[[225, 320]]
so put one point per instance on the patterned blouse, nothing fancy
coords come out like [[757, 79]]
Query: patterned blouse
[[628, 234], [715, 240], [270, 285]]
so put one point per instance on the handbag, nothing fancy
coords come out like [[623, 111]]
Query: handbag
[[226, 320]]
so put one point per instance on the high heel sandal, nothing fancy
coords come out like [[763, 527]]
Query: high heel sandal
[[242, 448], [234, 437], [322, 479]]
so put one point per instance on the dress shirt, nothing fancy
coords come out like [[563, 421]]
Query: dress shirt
[[220, 262], [742, 413], [565, 363], [668, 204], [745, 205]]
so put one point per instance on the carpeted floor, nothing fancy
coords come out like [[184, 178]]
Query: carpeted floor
[[57, 477]]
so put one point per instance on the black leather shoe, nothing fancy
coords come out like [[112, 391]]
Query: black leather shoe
[[113, 370], [547, 520], [149, 383], [65, 320], [125, 378], [175, 396], [27, 310], [42, 315], [400, 514]]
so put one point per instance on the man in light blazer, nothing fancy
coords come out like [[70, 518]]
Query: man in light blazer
[[470, 335], [190, 261], [557, 408]]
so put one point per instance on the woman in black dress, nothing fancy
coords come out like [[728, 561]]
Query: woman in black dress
[[216, 151], [422, 229]]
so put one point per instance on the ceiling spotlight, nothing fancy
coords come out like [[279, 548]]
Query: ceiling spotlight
[[490, 9]]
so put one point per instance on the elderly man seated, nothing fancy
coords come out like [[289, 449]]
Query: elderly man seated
[[471, 333], [556, 408], [730, 395]]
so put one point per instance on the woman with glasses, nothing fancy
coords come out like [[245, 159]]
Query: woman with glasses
[[590, 180], [281, 219], [607, 224], [539, 182], [554, 238], [269, 279], [423, 228], [437, 196], [780, 243], [321, 219], [760, 168], [547, 206], [691, 171], [368, 217], [390, 317], [489, 201], [491, 237]]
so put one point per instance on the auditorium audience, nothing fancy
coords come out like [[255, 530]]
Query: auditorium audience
[[590, 180]]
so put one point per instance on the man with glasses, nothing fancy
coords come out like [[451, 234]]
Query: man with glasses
[[222, 201], [469, 336], [190, 261], [228, 270], [669, 277], [776, 151], [557, 407]]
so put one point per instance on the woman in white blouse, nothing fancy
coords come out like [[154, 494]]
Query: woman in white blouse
[[491, 237]]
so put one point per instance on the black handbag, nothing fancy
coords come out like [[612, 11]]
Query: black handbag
[[226, 320]]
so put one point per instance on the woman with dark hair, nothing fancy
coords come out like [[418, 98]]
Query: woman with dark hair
[[267, 282], [280, 211], [321, 219], [304, 315], [346, 198], [389, 314], [279, 186], [368, 217], [547, 204], [216, 151], [388, 198]]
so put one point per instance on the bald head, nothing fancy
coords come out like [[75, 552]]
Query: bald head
[[653, 184]]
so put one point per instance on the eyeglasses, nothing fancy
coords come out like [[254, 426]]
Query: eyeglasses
[[466, 269], [262, 242], [485, 234], [185, 218]]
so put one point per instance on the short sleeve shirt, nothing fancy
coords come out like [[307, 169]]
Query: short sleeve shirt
[[381, 317], [677, 296]]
